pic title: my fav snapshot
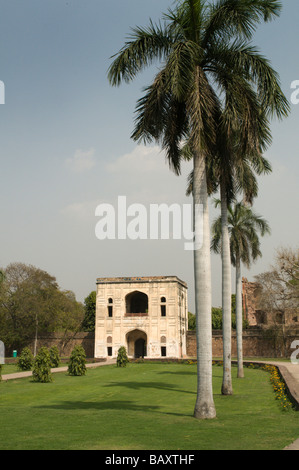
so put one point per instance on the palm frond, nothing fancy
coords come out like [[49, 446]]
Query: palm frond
[[143, 47], [180, 67], [151, 110], [247, 61], [238, 18], [244, 226]]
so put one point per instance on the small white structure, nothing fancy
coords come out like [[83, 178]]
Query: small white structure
[[147, 315]]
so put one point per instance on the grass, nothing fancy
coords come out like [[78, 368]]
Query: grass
[[143, 406], [10, 369]]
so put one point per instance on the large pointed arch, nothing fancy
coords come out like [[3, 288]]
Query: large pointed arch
[[136, 302], [136, 343]]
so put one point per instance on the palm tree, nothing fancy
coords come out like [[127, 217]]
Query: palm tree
[[201, 46], [238, 176], [244, 225], [236, 172]]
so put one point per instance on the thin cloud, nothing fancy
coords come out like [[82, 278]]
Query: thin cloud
[[81, 161], [141, 159], [80, 210]]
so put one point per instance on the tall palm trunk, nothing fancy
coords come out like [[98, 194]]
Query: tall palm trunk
[[239, 317], [204, 407], [226, 296]]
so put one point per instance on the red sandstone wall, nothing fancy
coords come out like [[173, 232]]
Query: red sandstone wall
[[66, 345], [255, 344]]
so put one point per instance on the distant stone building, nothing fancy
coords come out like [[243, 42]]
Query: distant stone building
[[250, 294], [256, 316], [147, 315]]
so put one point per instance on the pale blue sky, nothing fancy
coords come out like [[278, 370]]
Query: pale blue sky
[[65, 144]]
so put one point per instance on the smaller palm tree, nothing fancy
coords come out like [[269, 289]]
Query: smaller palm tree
[[244, 225]]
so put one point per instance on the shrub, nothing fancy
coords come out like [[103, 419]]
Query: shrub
[[54, 356], [77, 364], [42, 366], [122, 358], [26, 360]]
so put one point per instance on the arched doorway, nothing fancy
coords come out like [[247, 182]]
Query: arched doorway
[[137, 343], [140, 348], [136, 303]]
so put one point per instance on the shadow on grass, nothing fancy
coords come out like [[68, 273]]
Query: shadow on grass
[[114, 405], [101, 406], [182, 372], [148, 385], [216, 373]]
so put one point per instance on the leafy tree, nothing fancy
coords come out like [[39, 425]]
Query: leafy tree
[[191, 321], [216, 318], [31, 303], [89, 312], [42, 366], [26, 359], [77, 364], [279, 287], [122, 358], [207, 68]]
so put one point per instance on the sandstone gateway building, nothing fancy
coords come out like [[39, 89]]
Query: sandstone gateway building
[[147, 315]]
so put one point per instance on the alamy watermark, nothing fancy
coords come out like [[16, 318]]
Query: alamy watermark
[[2, 92], [156, 222], [295, 354], [2, 353], [295, 94]]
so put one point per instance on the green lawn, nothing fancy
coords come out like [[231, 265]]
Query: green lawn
[[144, 406], [10, 369]]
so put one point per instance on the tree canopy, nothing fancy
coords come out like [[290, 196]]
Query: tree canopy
[[279, 287], [89, 312], [31, 301]]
